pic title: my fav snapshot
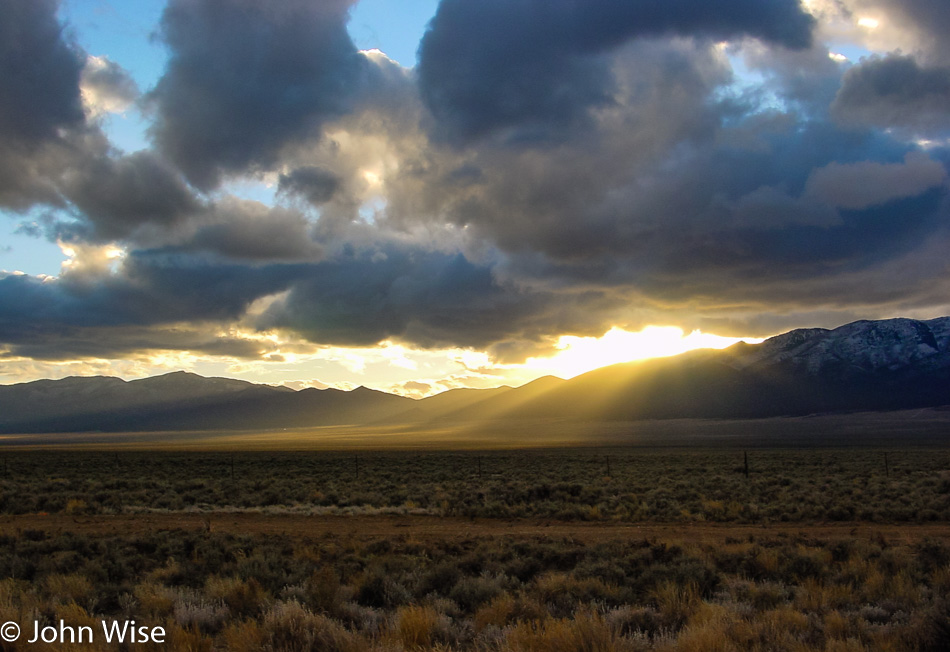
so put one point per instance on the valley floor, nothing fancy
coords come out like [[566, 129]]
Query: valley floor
[[926, 427], [290, 583], [611, 549], [367, 528]]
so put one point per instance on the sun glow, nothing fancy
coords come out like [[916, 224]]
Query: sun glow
[[577, 355], [89, 260], [372, 178], [870, 23]]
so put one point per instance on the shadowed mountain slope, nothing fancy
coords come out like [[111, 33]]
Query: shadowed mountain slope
[[867, 365], [182, 401]]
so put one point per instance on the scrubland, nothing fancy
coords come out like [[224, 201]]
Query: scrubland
[[570, 484], [755, 587], [224, 591]]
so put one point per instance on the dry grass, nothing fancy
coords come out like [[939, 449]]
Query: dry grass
[[278, 572]]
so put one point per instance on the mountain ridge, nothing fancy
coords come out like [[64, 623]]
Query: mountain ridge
[[888, 364]]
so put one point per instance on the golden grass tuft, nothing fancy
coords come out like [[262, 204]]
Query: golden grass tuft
[[416, 626], [677, 602], [586, 632]]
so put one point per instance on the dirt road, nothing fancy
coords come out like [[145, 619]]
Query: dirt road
[[431, 527]]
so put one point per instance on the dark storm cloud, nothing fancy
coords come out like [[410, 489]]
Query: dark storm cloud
[[668, 191], [895, 91], [53, 344], [535, 67], [355, 298], [39, 97], [119, 194], [245, 78], [674, 174], [39, 74], [250, 230], [691, 200], [865, 184], [314, 184], [425, 298], [728, 222], [694, 203], [153, 288], [49, 154], [557, 200]]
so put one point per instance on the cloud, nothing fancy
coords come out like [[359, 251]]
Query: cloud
[[246, 78], [148, 288], [429, 299], [39, 74], [313, 183], [868, 183], [542, 173], [133, 342], [921, 25], [39, 98], [413, 389], [528, 70], [249, 230], [357, 298], [106, 87], [119, 195], [895, 91]]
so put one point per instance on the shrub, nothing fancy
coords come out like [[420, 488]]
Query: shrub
[[676, 603], [472, 592], [563, 593], [289, 627], [378, 589], [627, 621], [322, 590], [506, 609], [193, 612], [246, 636], [416, 626], [75, 588], [244, 598], [440, 579], [153, 600], [587, 632], [76, 506]]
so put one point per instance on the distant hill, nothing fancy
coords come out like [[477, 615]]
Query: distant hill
[[867, 365], [182, 401]]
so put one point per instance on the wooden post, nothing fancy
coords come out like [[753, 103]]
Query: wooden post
[[887, 468], [357, 458], [745, 463], [479, 468], [608, 466], [232, 467]]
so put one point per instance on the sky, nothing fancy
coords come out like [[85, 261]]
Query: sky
[[420, 195]]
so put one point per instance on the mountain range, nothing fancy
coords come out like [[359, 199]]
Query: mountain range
[[866, 365]]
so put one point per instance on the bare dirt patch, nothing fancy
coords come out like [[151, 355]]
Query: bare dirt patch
[[428, 527]]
